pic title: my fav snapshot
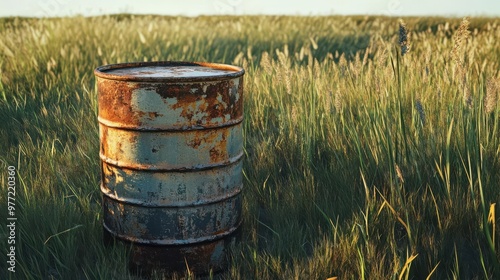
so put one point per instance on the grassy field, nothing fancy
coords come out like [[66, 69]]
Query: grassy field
[[363, 160]]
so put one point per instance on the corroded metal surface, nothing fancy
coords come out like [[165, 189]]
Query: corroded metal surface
[[167, 150], [171, 189], [171, 159], [171, 226], [169, 103]]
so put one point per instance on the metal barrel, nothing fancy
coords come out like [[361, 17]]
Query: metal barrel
[[171, 161]]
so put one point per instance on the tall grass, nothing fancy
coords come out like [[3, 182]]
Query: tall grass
[[361, 162]]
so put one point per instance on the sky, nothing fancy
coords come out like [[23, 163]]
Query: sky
[[51, 8]]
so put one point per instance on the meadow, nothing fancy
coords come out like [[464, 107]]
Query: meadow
[[372, 146]]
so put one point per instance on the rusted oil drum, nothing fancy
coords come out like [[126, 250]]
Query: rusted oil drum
[[171, 161]]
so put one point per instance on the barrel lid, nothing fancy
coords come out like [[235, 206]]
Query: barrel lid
[[168, 71]]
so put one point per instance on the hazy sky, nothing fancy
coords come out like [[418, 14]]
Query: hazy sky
[[47, 8]]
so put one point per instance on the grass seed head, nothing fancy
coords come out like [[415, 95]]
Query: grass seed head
[[491, 98], [404, 40], [328, 102], [265, 63], [342, 65], [338, 101], [365, 57], [458, 53], [460, 37]]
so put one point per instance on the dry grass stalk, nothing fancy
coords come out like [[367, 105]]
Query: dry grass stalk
[[265, 63], [365, 57], [317, 69], [355, 66], [284, 63], [491, 98], [310, 57], [294, 115], [467, 95], [288, 83], [249, 53], [342, 65], [339, 100], [238, 59], [460, 38], [328, 102], [244, 63], [399, 174]]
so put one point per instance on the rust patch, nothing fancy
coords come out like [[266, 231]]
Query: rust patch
[[153, 115], [196, 142], [215, 154], [115, 101], [203, 138], [218, 100], [219, 153]]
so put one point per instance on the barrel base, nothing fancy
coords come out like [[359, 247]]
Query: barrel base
[[199, 258]]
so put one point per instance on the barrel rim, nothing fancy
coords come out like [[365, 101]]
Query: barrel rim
[[112, 195], [176, 242], [101, 71], [173, 129], [159, 168]]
